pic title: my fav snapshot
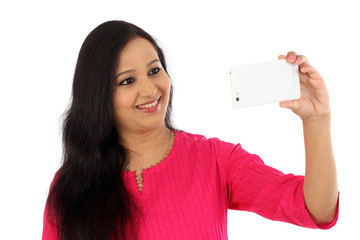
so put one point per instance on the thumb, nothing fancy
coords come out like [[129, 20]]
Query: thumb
[[293, 105]]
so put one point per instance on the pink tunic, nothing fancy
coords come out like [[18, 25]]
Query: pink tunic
[[187, 195]]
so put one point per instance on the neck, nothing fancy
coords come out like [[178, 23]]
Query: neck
[[146, 147]]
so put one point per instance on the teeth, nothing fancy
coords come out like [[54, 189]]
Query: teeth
[[149, 105]]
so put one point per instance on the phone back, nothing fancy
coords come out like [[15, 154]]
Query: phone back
[[266, 82]]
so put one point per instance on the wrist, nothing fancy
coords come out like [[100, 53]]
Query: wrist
[[320, 118]]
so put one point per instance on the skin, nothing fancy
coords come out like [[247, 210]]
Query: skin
[[320, 185], [141, 79], [147, 137]]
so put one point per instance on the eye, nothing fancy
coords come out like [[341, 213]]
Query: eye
[[154, 71], [127, 81]]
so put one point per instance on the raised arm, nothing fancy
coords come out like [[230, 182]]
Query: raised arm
[[320, 185]]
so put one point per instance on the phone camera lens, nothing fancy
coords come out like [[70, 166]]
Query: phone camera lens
[[237, 99]]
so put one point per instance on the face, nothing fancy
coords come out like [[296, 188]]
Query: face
[[142, 88]]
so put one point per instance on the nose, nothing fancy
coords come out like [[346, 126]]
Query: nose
[[147, 88]]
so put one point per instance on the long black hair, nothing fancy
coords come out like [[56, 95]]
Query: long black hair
[[88, 198]]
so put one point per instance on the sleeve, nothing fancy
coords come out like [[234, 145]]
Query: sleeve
[[49, 225], [255, 187], [49, 228]]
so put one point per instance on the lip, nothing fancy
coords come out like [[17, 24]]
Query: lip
[[157, 99], [151, 109]]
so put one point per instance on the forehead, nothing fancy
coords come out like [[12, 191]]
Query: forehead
[[138, 51]]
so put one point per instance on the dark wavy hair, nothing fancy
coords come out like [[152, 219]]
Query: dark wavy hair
[[88, 198]]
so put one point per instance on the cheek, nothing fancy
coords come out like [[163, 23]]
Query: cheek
[[166, 85], [121, 103]]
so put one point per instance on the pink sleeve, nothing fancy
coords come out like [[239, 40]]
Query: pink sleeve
[[49, 226], [255, 187], [49, 229]]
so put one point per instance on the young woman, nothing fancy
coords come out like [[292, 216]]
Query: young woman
[[128, 174]]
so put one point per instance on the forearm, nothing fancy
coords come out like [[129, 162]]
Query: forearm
[[320, 186]]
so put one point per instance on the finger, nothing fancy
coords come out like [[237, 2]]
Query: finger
[[285, 104], [311, 71], [281, 57], [291, 57], [301, 60], [293, 104]]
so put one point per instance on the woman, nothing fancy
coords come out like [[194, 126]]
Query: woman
[[128, 174]]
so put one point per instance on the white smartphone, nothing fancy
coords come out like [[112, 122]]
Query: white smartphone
[[265, 82]]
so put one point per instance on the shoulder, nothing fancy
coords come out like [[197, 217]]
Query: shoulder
[[187, 136], [186, 139], [192, 138]]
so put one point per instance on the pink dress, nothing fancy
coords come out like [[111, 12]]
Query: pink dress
[[187, 195]]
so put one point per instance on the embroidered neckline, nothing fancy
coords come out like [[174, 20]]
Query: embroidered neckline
[[170, 147], [139, 177]]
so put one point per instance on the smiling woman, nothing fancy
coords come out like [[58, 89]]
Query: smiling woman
[[120, 71], [128, 174]]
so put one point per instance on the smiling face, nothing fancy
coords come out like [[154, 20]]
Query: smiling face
[[142, 88]]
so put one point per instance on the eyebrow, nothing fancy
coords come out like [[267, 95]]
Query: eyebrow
[[129, 71]]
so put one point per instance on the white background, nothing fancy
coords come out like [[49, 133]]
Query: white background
[[39, 43]]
